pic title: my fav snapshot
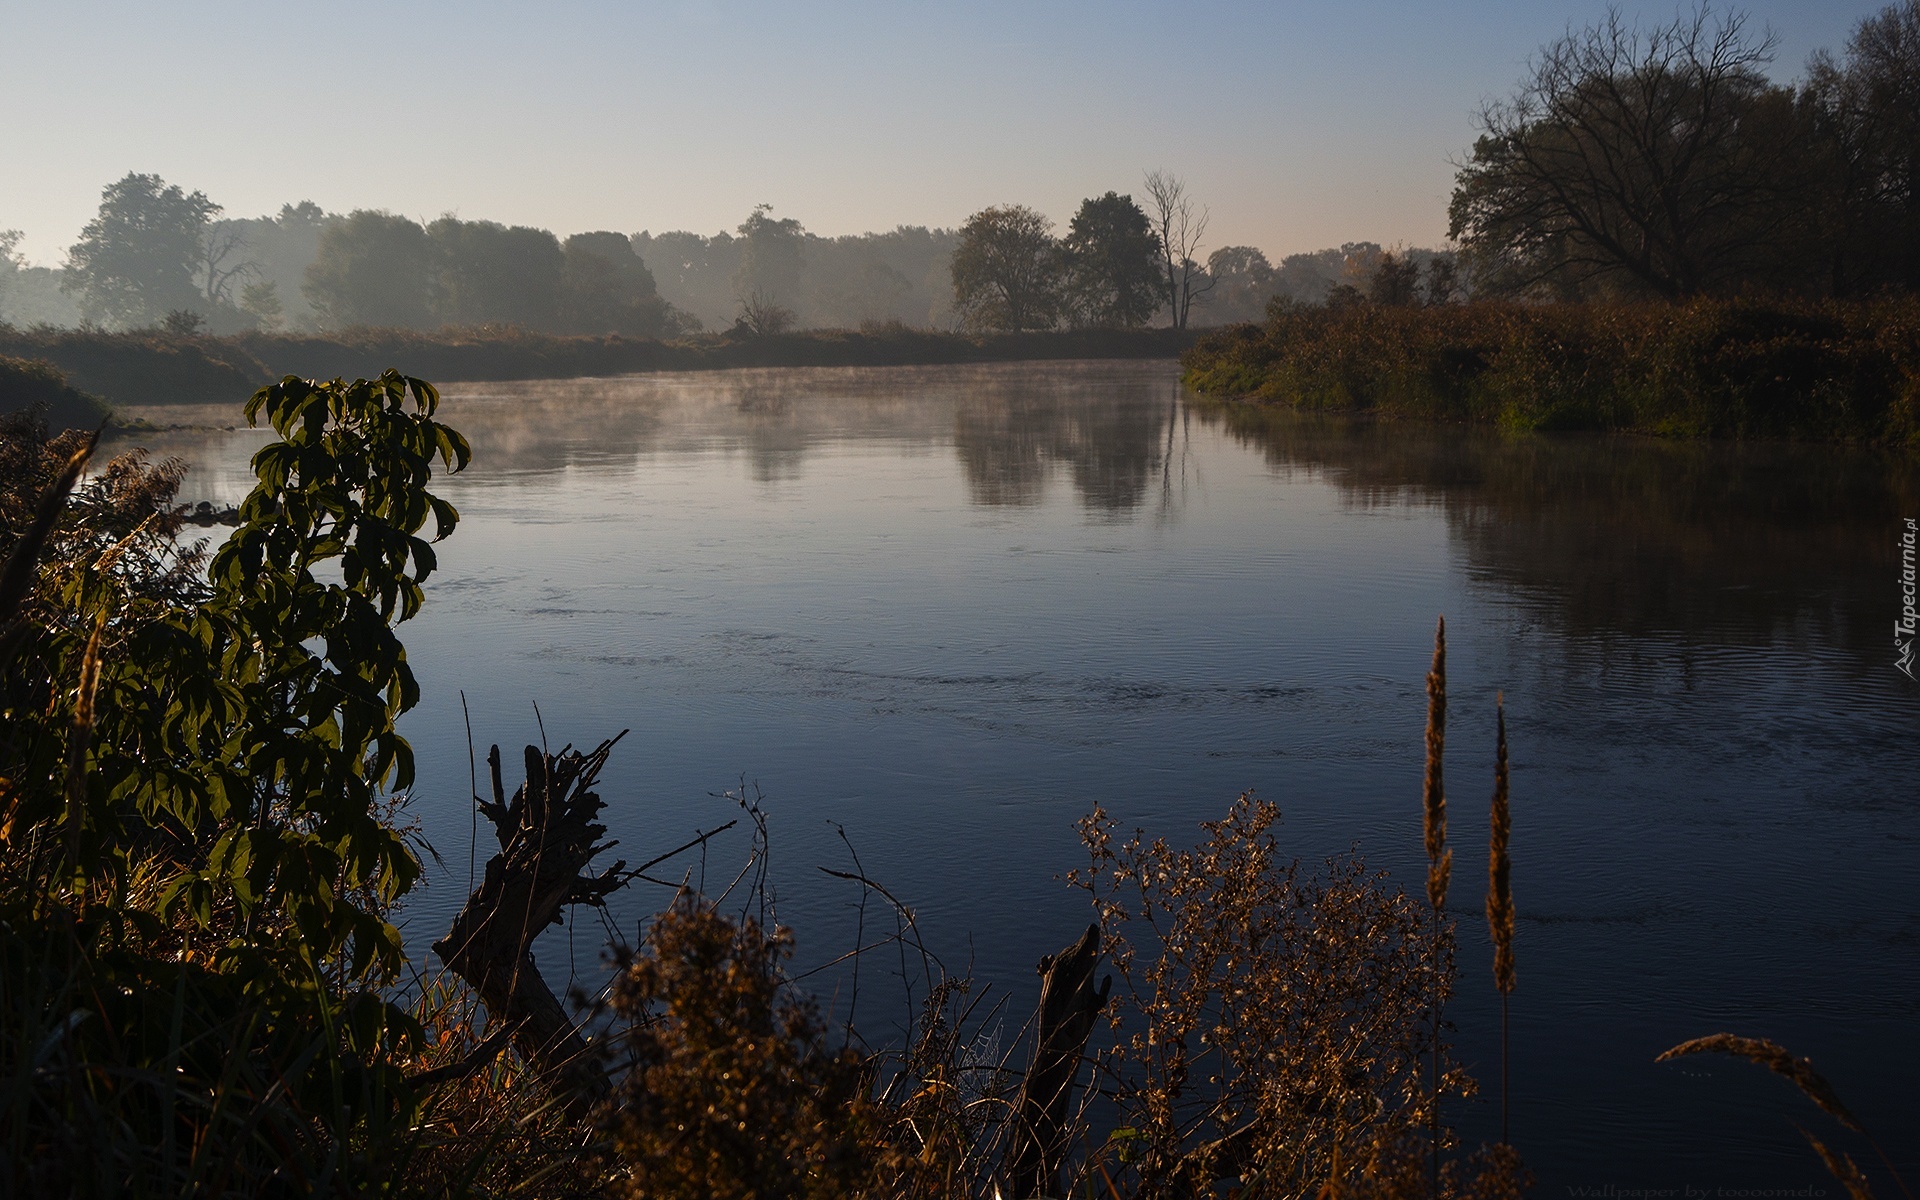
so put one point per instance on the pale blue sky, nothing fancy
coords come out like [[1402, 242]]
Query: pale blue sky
[[1300, 125]]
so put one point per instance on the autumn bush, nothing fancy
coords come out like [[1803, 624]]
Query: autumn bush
[[1705, 368]]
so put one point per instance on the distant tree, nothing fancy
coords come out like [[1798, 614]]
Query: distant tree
[[135, 261], [371, 269], [1865, 113], [1658, 161], [1179, 229], [1443, 281], [486, 273], [10, 264], [762, 316], [1243, 281], [1007, 270], [184, 322], [223, 261], [1395, 281], [772, 258], [1112, 264], [608, 289], [262, 300]]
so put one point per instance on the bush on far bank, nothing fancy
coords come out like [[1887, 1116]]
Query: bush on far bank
[[1823, 370]]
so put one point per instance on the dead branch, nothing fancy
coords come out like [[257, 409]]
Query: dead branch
[[1069, 1006], [547, 837]]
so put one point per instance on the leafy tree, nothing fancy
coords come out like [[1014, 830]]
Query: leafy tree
[[262, 300], [1179, 228], [1243, 281], [135, 261], [371, 269], [10, 264], [489, 273], [608, 289], [1007, 270], [1113, 263], [1865, 113], [1659, 162], [1396, 281], [771, 259], [241, 744]]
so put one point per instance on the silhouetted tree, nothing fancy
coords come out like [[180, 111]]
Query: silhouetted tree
[[1395, 281], [1007, 270], [1657, 161], [135, 260], [371, 269], [1112, 263], [1179, 229], [1865, 114]]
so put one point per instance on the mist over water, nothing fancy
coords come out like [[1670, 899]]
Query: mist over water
[[948, 609]]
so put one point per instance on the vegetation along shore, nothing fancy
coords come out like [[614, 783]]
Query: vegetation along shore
[[1824, 370], [156, 367]]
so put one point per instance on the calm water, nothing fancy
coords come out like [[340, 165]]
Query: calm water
[[949, 609]]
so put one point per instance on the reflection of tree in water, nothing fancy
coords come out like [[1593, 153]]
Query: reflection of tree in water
[[1011, 440], [1607, 535], [1110, 426]]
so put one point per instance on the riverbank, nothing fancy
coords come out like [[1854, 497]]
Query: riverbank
[[1736, 369], [128, 369]]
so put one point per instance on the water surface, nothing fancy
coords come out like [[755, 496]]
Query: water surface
[[949, 609]]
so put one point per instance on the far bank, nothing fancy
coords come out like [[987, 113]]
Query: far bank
[[1823, 371], [150, 367]]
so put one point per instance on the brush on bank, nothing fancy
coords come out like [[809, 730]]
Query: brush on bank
[[1500, 895]]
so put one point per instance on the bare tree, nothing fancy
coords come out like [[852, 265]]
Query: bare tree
[[1180, 229], [223, 261], [1657, 159]]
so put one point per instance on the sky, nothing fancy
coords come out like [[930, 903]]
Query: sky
[[1299, 125]]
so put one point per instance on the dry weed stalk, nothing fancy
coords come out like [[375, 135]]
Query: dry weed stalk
[[1268, 1020], [1439, 858], [1812, 1085], [1500, 894]]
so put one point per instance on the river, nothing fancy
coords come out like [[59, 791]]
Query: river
[[946, 610]]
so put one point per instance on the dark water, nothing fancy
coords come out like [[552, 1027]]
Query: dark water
[[949, 609]]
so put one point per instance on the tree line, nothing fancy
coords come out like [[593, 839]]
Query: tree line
[[159, 255], [1637, 162]]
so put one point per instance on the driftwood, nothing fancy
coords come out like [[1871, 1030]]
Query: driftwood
[[547, 837], [1069, 1005]]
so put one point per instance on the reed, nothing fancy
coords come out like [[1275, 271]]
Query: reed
[[1439, 858], [1812, 1085], [1500, 894]]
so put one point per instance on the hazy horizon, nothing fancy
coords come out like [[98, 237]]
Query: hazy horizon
[[1299, 129]]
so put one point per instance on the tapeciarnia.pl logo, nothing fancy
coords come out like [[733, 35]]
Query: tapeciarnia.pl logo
[[1903, 629]]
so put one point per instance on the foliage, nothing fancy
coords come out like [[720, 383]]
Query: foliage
[[734, 1092], [486, 273], [38, 385], [134, 261], [771, 260], [371, 269], [1271, 1021], [608, 289], [1825, 370], [1113, 267], [1865, 116], [1007, 270], [1661, 162]]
